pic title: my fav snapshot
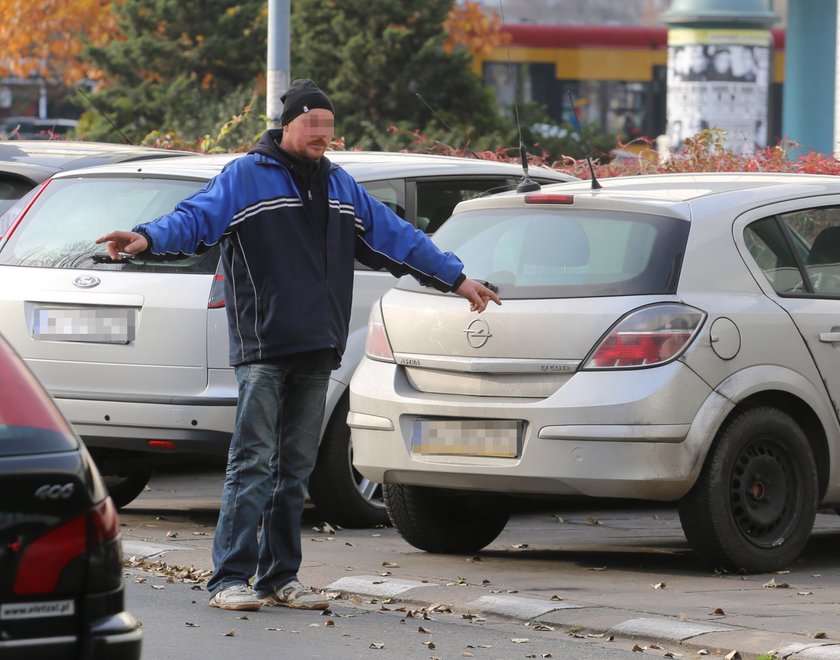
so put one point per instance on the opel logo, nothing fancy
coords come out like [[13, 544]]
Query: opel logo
[[478, 332], [86, 281]]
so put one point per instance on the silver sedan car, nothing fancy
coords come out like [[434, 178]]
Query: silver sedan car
[[672, 338], [136, 353]]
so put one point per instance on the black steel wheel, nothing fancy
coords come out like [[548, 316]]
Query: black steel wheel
[[339, 492], [754, 504], [442, 521]]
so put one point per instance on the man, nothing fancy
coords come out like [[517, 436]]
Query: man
[[291, 224]]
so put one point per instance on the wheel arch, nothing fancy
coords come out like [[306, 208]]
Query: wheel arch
[[792, 393]]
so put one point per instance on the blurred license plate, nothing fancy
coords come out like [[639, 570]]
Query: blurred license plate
[[102, 325], [467, 437]]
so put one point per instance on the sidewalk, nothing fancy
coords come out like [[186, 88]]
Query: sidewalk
[[622, 577]]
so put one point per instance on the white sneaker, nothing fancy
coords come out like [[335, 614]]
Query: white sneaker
[[237, 597], [295, 595]]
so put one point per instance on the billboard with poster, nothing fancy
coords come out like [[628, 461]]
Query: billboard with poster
[[719, 78]]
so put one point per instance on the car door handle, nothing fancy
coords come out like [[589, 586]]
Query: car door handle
[[830, 337]]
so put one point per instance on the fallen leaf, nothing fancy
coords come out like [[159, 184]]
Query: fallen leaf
[[719, 612], [658, 585], [702, 652], [390, 564], [820, 635], [172, 535], [158, 586], [637, 649], [230, 633], [329, 623], [429, 645], [274, 629], [191, 625], [421, 629], [804, 593], [555, 597], [519, 546], [377, 645], [772, 584], [733, 655], [542, 626], [592, 521]]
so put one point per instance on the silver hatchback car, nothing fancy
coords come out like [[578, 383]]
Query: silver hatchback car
[[136, 353], [672, 338]]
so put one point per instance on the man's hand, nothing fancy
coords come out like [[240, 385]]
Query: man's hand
[[123, 241], [478, 295]]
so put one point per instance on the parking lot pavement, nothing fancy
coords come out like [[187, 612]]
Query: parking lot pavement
[[624, 571]]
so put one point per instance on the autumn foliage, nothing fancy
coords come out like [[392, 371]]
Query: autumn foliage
[[45, 37], [475, 28]]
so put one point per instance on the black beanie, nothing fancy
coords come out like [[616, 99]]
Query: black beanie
[[302, 96]]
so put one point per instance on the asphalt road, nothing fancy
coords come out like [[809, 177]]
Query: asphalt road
[[587, 572]]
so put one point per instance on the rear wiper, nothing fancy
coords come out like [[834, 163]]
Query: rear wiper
[[105, 258]]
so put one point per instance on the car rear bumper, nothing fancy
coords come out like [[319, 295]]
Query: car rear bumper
[[116, 637], [605, 434], [198, 425]]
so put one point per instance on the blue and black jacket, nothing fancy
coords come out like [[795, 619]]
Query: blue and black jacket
[[286, 291]]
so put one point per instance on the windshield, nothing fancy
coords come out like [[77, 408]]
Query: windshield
[[540, 253], [61, 227]]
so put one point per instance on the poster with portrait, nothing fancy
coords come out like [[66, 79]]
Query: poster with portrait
[[719, 79]]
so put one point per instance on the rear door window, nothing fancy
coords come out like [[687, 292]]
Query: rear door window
[[436, 198], [799, 252]]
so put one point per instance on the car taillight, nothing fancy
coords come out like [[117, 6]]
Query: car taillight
[[43, 560], [217, 292], [647, 337], [377, 345]]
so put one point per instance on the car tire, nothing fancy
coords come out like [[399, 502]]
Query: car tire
[[452, 522], [754, 504], [125, 488], [339, 492]]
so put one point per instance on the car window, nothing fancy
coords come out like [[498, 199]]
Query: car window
[[60, 229], [391, 193], [798, 252], [437, 198], [29, 420], [12, 189], [533, 253]]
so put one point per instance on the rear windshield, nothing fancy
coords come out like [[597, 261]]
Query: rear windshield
[[61, 227], [539, 253], [30, 423]]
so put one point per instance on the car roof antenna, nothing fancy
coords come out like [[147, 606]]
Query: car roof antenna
[[435, 114], [527, 184], [595, 184], [101, 112]]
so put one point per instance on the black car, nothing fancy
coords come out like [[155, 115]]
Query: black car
[[61, 591], [26, 163]]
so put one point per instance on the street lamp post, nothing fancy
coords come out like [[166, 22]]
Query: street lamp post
[[279, 56]]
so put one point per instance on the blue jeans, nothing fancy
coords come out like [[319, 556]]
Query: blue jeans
[[272, 453]]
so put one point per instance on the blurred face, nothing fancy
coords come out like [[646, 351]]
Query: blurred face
[[309, 134]]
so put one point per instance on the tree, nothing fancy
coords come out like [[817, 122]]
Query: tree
[[475, 28], [183, 66], [46, 38], [383, 63]]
